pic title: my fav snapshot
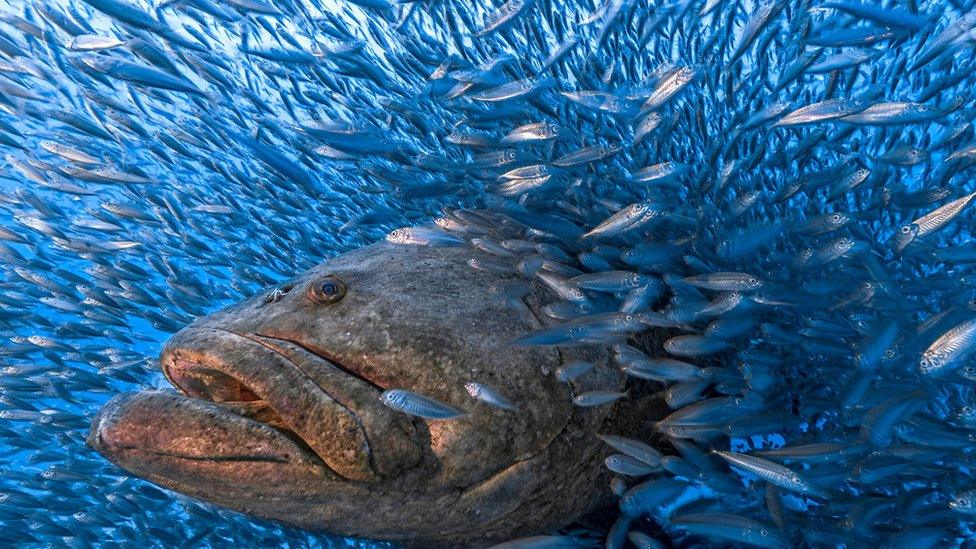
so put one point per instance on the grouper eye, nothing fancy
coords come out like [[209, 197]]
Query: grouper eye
[[328, 289]]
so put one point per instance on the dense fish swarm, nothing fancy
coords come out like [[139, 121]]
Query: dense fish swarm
[[788, 183]]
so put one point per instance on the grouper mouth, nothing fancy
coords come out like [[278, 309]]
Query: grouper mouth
[[243, 393], [205, 380]]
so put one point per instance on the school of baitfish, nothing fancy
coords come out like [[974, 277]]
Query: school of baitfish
[[787, 183]]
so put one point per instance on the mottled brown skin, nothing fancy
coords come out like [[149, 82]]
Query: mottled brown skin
[[280, 415]]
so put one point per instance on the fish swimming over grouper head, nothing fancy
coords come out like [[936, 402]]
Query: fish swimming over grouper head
[[280, 413]]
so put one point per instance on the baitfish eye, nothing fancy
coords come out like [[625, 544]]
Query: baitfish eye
[[328, 289]]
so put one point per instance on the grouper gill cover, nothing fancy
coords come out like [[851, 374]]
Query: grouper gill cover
[[641, 273]]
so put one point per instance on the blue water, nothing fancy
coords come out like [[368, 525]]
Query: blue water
[[231, 195]]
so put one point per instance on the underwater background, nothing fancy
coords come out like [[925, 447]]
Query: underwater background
[[166, 159]]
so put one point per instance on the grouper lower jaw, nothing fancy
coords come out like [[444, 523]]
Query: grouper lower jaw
[[193, 442], [280, 414]]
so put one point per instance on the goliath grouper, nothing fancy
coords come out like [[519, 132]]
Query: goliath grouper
[[281, 415]]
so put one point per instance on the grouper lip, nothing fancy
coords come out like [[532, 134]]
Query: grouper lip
[[104, 433], [253, 376]]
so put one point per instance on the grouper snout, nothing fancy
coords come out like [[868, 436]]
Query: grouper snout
[[278, 411]]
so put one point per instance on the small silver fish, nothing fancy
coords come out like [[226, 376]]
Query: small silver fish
[[634, 448], [662, 369], [725, 282], [625, 465], [820, 112], [490, 265], [695, 345], [539, 131], [948, 349], [777, 474], [415, 404], [572, 370], [423, 236], [930, 222], [597, 398], [739, 530], [489, 395], [668, 87], [91, 42], [69, 153], [626, 219]]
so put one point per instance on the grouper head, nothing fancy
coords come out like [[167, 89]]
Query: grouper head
[[278, 412]]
